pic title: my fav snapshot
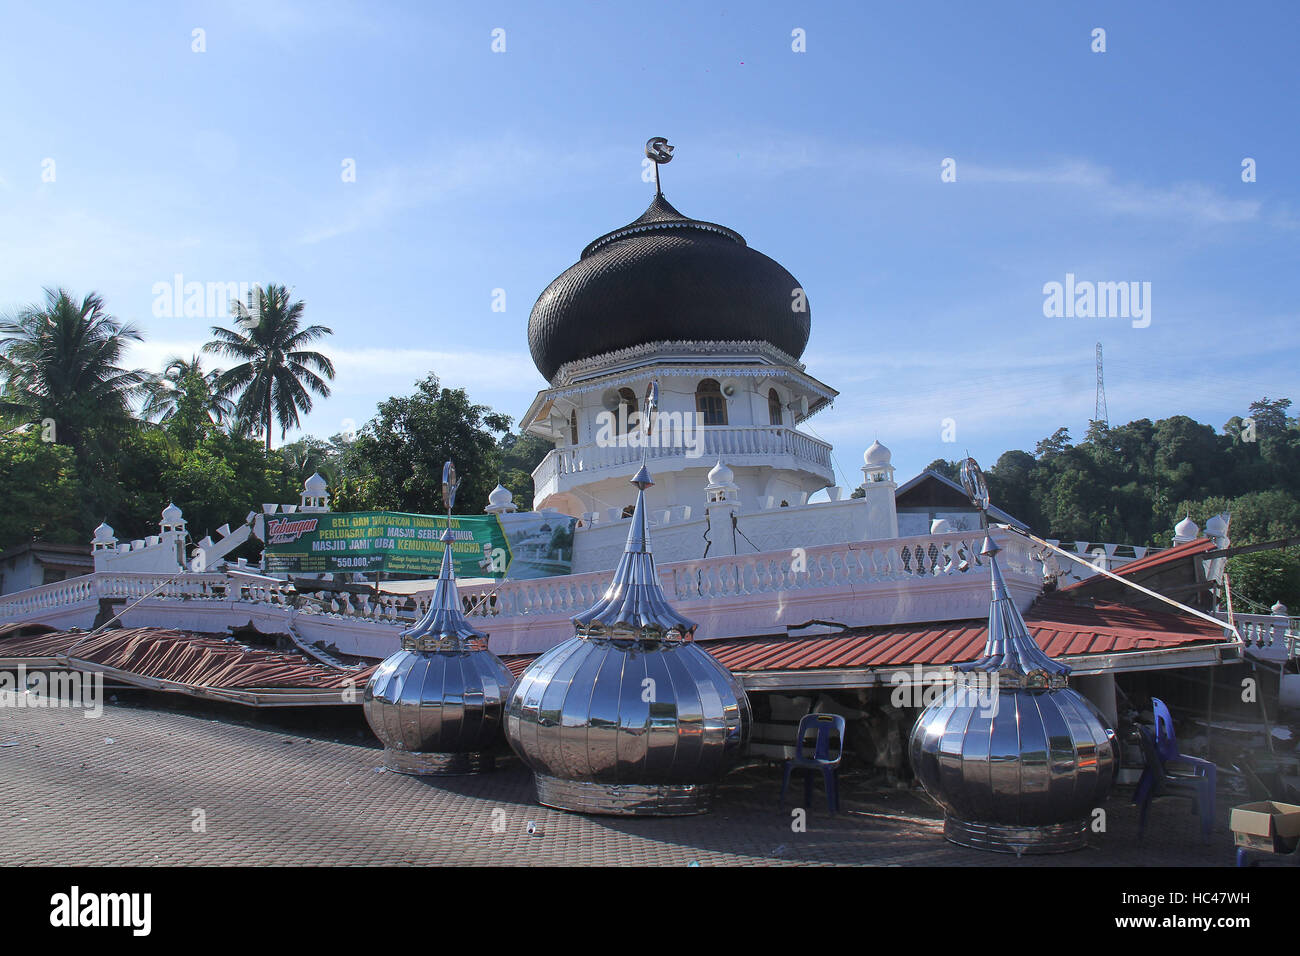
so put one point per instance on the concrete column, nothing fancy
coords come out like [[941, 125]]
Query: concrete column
[[1100, 689]]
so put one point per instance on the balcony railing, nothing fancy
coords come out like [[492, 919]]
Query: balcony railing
[[731, 444]]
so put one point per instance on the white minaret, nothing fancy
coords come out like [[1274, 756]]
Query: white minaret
[[1186, 530], [722, 504], [172, 519], [315, 494], [878, 489], [876, 464], [500, 501], [103, 544]]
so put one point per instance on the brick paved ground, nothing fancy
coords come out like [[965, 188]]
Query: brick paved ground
[[271, 796]]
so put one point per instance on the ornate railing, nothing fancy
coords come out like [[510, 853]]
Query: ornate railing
[[950, 556], [1268, 632], [826, 566], [717, 441]]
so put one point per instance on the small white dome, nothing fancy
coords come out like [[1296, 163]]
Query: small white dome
[[1217, 526], [315, 485], [1187, 529], [1279, 610], [172, 515], [104, 533], [941, 526], [500, 495], [720, 474], [877, 454]]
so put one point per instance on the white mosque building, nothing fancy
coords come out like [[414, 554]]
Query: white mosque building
[[719, 328], [798, 583]]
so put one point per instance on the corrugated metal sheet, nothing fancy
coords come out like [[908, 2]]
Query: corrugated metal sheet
[[1169, 556], [181, 658], [1061, 628]]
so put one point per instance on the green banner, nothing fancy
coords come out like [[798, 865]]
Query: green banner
[[383, 541]]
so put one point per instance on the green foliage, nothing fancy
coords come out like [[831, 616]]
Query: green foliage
[[185, 398], [949, 469], [1053, 445], [216, 481], [276, 375], [1132, 483], [395, 464], [60, 362], [39, 488], [1264, 577], [520, 456]]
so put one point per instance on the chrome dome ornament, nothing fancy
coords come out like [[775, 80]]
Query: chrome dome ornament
[[438, 704], [1020, 767], [629, 716]]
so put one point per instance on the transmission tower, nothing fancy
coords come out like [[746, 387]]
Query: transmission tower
[[1099, 413]]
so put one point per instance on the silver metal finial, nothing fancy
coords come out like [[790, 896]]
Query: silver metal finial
[[659, 152], [977, 489], [449, 485]]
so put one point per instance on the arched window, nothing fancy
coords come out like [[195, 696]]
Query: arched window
[[573, 427], [710, 403], [626, 408], [774, 407]]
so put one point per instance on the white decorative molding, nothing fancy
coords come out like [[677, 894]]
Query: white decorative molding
[[660, 351]]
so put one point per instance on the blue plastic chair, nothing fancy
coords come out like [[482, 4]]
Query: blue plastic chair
[[1161, 750], [823, 725]]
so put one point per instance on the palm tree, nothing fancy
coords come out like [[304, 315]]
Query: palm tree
[[275, 374], [183, 382], [61, 360]]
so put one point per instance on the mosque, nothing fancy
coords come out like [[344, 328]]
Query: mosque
[[719, 328], [803, 589]]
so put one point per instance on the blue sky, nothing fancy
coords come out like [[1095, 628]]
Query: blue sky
[[478, 170]]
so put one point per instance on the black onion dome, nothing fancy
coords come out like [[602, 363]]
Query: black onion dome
[[666, 278]]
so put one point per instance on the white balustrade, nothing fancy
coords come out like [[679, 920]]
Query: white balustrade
[[1278, 636], [719, 441], [760, 583], [826, 566]]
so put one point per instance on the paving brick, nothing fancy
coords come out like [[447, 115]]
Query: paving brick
[[68, 797]]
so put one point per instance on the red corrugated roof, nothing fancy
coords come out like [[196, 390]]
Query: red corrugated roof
[[183, 658], [1177, 553], [1061, 628]]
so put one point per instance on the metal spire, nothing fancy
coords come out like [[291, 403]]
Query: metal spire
[[444, 622], [1009, 646], [634, 604]]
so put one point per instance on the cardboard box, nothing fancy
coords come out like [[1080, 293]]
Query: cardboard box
[[1268, 825]]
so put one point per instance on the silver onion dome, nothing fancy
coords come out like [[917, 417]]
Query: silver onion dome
[[438, 703], [1016, 758], [629, 716]]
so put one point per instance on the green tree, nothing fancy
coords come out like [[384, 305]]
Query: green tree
[[520, 456], [395, 464], [1270, 416], [1264, 577], [276, 373], [186, 397], [949, 469], [1054, 445], [39, 487], [1010, 482], [61, 362]]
